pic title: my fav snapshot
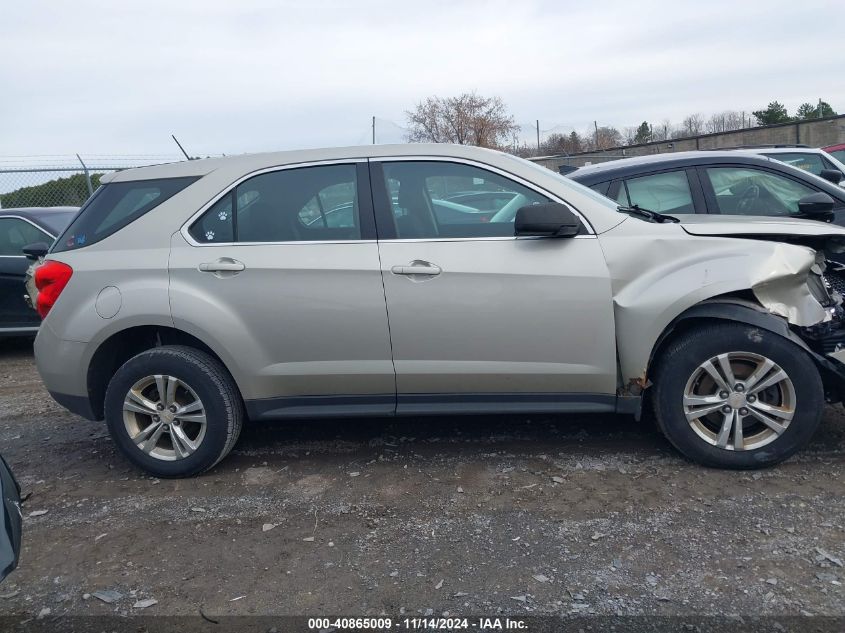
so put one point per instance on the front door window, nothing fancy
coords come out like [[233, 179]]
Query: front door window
[[432, 199], [747, 191]]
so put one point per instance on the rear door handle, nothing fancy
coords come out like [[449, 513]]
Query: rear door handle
[[417, 268], [222, 265]]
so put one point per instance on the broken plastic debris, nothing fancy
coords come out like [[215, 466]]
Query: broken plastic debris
[[825, 555], [108, 595], [143, 604]]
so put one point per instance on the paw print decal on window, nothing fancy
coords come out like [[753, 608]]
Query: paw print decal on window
[[223, 216], [209, 235]]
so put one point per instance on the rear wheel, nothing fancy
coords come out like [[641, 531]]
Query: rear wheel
[[173, 411], [736, 396]]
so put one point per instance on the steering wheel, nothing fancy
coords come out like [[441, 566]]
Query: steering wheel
[[508, 212], [748, 198]]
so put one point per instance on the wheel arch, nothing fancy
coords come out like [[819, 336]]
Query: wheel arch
[[123, 345], [735, 309]]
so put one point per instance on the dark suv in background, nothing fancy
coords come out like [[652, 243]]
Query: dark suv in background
[[725, 182], [20, 228]]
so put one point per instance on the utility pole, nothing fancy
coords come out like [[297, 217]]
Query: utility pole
[[87, 176], [596, 124], [374, 130], [538, 135]]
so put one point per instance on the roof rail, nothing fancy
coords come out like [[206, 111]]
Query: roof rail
[[771, 146]]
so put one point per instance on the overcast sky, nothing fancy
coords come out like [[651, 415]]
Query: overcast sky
[[249, 75]]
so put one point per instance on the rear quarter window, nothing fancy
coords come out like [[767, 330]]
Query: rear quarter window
[[115, 206]]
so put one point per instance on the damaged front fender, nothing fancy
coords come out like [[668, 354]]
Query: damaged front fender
[[660, 271], [785, 289]]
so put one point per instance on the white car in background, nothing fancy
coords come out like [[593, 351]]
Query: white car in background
[[811, 159]]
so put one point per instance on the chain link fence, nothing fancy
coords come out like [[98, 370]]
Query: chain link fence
[[59, 181]]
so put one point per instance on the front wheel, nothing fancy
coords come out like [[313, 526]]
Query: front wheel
[[735, 396], [173, 411]]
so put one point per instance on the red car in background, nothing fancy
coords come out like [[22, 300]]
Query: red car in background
[[837, 151]]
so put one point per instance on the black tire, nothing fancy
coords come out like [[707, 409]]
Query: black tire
[[212, 384], [687, 352]]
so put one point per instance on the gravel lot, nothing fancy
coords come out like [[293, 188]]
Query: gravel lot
[[475, 515]]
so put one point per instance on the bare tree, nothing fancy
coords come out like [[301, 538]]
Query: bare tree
[[692, 125], [725, 122], [562, 144], [629, 135], [606, 137], [522, 149], [662, 131], [468, 119]]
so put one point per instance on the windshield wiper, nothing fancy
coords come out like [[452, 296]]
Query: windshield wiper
[[648, 214]]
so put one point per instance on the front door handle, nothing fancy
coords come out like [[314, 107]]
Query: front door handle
[[222, 267], [417, 267]]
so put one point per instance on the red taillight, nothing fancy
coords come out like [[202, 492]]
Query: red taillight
[[51, 277]]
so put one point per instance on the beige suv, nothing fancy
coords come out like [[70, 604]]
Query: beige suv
[[185, 299]]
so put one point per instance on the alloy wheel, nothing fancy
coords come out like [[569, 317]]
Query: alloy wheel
[[164, 417], [739, 401]]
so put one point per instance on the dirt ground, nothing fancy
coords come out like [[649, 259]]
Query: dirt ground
[[471, 515]]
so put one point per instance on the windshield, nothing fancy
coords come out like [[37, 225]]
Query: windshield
[[56, 221], [582, 189]]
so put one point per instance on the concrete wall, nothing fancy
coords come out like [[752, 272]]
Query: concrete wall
[[815, 133]]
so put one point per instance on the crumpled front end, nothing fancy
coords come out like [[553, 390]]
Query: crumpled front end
[[826, 337], [663, 274], [804, 288], [792, 286]]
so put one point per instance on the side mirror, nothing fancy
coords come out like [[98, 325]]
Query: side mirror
[[36, 251], [815, 204], [550, 219], [832, 175]]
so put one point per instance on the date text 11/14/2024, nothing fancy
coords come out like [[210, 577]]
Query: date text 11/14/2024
[[419, 624]]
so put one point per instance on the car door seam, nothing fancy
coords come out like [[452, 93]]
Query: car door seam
[[383, 289]]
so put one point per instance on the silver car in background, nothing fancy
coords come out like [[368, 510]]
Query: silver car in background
[[187, 298]]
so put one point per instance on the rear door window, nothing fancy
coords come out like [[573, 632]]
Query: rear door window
[[303, 204], [116, 205]]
